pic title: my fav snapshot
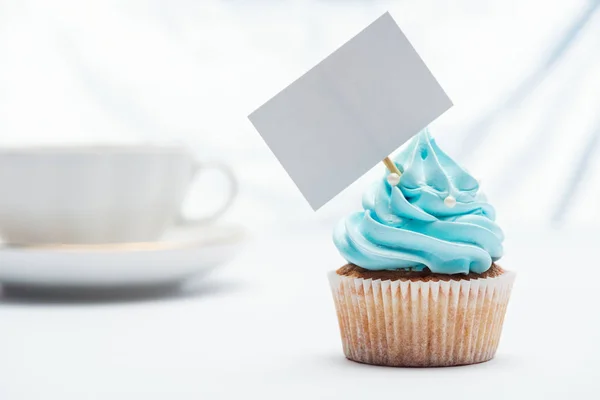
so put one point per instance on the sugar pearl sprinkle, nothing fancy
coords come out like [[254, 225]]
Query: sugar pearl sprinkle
[[450, 201], [393, 179]]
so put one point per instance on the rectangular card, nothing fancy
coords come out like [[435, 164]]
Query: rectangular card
[[350, 111]]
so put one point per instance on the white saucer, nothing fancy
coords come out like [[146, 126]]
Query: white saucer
[[182, 253]]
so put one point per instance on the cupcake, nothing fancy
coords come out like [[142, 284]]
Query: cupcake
[[422, 287]]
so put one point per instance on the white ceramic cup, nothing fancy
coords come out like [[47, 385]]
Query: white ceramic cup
[[98, 194]]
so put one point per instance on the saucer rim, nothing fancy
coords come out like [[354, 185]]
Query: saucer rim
[[236, 234]]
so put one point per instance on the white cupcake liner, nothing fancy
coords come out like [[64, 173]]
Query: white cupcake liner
[[420, 324]]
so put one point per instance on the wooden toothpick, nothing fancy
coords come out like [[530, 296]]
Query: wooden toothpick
[[394, 177], [391, 166]]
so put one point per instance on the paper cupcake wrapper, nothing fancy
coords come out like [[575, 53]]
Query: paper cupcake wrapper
[[421, 324]]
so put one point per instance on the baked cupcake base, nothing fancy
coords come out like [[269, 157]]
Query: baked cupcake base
[[420, 321]]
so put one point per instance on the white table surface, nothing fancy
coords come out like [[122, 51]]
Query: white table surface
[[264, 326]]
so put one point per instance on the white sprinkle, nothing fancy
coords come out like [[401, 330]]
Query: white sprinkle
[[393, 179], [450, 201]]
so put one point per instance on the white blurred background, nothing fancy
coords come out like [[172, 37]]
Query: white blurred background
[[524, 78], [523, 75]]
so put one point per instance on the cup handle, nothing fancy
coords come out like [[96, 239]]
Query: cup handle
[[233, 191]]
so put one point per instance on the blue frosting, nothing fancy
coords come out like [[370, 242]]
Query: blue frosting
[[409, 226]]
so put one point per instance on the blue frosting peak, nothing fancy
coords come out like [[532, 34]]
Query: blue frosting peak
[[410, 226]]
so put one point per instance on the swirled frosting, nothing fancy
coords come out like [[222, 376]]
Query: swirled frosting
[[410, 226]]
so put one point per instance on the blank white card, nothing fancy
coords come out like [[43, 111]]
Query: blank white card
[[350, 111]]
